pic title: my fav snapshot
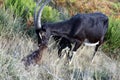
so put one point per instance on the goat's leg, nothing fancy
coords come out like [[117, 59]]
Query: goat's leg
[[71, 56], [76, 46], [70, 48], [61, 47], [59, 51], [64, 43], [97, 46]]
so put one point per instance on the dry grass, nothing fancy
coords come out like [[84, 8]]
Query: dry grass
[[108, 7], [14, 45], [52, 68]]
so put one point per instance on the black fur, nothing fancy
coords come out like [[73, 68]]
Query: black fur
[[92, 26], [62, 43]]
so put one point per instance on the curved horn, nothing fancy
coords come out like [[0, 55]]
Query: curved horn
[[35, 19], [40, 13]]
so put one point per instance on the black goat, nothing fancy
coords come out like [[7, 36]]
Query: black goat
[[88, 28]]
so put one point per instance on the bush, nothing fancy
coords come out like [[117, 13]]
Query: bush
[[50, 14], [112, 44], [25, 9], [22, 8]]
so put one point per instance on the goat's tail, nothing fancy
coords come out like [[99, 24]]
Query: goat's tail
[[106, 23]]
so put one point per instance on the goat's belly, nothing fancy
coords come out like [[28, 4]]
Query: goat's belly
[[87, 43]]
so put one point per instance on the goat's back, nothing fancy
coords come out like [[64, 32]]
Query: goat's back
[[91, 26]]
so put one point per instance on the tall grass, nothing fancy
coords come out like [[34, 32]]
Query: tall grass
[[8, 24], [112, 45]]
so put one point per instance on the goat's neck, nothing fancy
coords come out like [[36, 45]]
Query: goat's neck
[[60, 28]]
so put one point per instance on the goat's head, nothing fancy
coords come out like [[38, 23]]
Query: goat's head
[[40, 30]]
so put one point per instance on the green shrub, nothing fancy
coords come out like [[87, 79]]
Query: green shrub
[[22, 8], [25, 9], [115, 7], [50, 14], [112, 44]]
